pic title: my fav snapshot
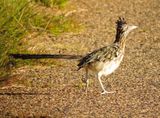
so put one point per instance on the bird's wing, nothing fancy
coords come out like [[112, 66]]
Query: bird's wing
[[103, 54]]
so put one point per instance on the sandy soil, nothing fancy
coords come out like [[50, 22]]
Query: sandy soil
[[57, 90]]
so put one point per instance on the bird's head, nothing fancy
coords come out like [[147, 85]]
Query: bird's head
[[123, 27]]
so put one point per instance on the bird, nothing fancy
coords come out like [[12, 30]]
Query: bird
[[107, 59]]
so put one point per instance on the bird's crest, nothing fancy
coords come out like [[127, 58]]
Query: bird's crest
[[120, 25], [120, 22]]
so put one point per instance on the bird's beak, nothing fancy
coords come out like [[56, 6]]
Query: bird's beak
[[133, 27]]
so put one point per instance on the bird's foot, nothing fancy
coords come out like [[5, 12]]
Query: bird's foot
[[105, 92]]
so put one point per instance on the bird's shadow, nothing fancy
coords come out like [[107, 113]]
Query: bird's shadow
[[34, 56]]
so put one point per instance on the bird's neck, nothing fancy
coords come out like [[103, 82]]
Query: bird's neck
[[120, 39]]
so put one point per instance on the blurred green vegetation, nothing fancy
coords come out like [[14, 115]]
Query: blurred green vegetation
[[51, 3], [18, 18]]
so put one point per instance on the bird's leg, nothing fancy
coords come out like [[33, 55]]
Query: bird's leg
[[100, 81]]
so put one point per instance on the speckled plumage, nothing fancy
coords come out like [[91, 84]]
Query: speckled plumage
[[101, 55], [107, 59]]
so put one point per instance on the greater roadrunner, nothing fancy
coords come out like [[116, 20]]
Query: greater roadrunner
[[107, 59]]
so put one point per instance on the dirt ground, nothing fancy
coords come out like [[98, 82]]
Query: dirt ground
[[56, 91]]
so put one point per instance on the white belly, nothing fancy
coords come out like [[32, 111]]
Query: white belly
[[111, 66]]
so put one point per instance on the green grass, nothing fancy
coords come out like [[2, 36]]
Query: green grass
[[12, 26], [53, 3], [18, 18]]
